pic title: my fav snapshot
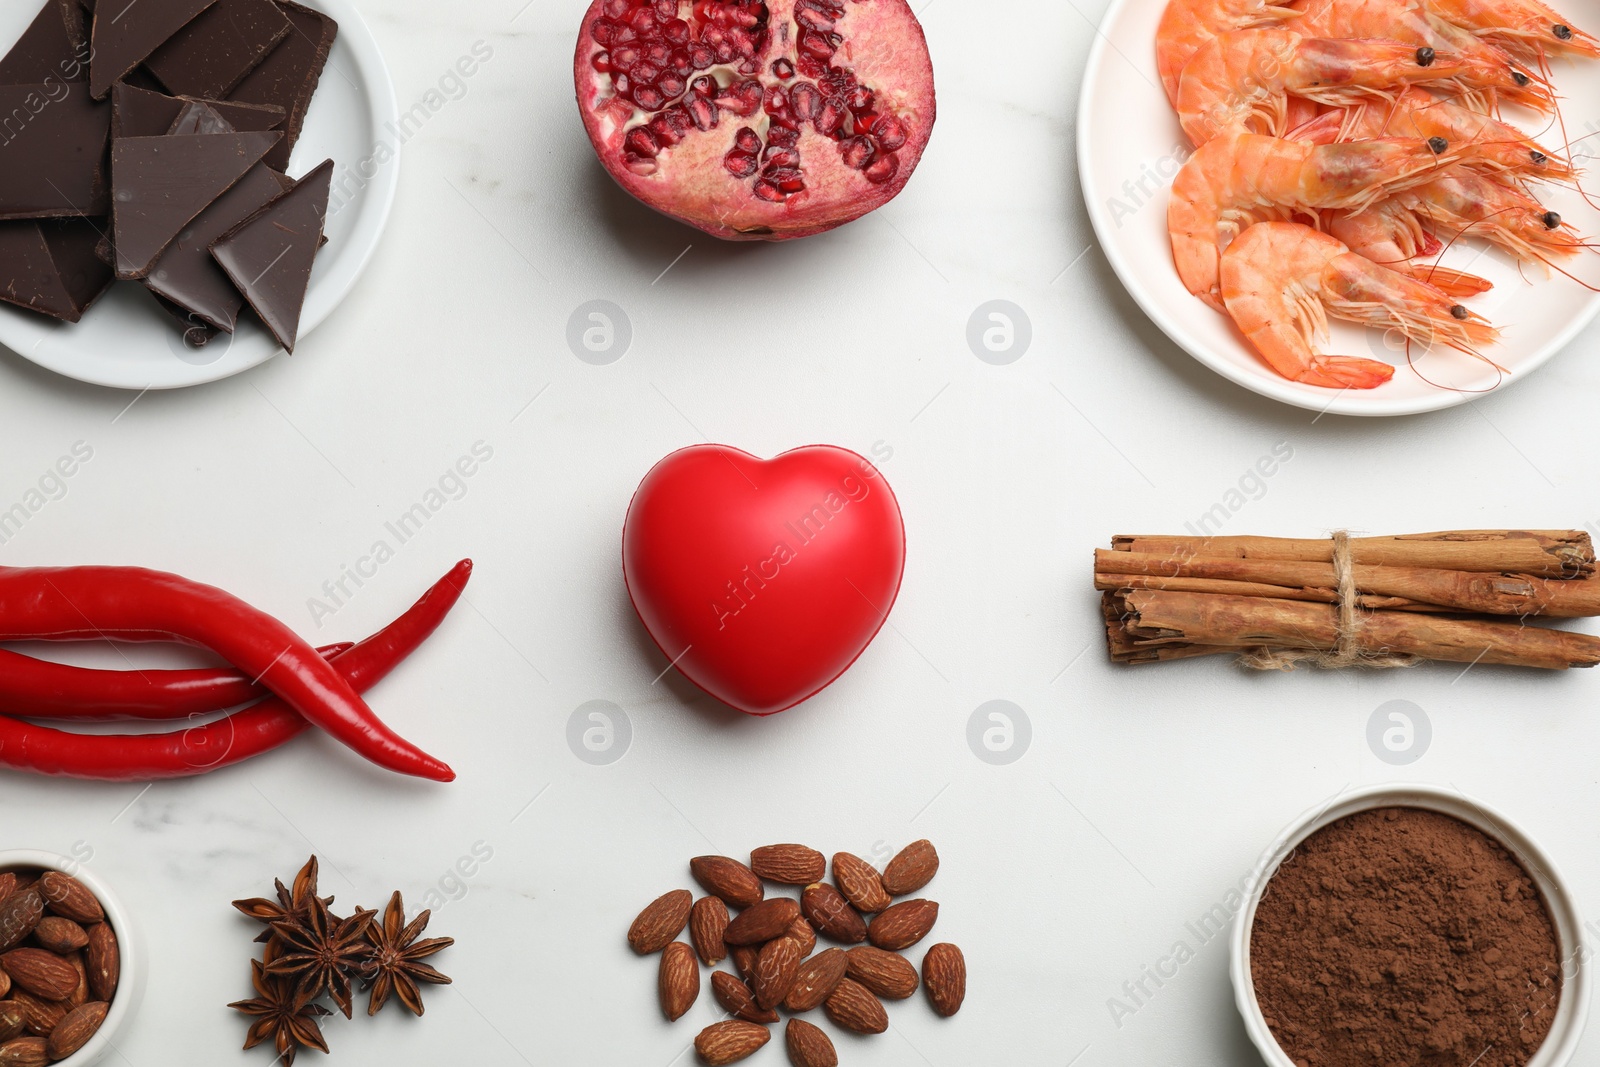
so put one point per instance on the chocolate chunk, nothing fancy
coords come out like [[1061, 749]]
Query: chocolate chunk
[[48, 266], [288, 76], [162, 183], [198, 117], [52, 148], [77, 16], [141, 113], [187, 275], [269, 256], [124, 34], [44, 51], [213, 53]]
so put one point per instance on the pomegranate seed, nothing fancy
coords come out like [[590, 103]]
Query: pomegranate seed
[[641, 142], [781, 157], [677, 117], [863, 123], [703, 112], [702, 57], [836, 84], [816, 45], [789, 180], [806, 101], [624, 58], [724, 52], [658, 53], [666, 9], [742, 99], [883, 169], [671, 84], [812, 19], [662, 131], [743, 43], [601, 61], [623, 35], [643, 22], [890, 132], [645, 73], [777, 101], [648, 97], [829, 118], [783, 136], [746, 141], [679, 64], [676, 31], [768, 191], [705, 86], [713, 37], [615, 9], [744, 17], [811, 68], [740, 164], [622, 84], [604, 31], [783, 69], [861, 99], [856, 152]]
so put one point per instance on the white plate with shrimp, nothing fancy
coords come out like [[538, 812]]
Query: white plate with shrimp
[[1130, 148]]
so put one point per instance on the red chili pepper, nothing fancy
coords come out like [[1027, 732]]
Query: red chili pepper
[[132, 604], [39, 689], [230, 740]]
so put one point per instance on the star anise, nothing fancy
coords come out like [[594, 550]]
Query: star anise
[[290, 905], [289, 1020], [394, 960], [322, 952]]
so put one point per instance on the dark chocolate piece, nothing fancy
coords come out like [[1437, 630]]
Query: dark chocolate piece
[[48, 266], [195, 331], [77, 16], [288, 76], [52, 150], [162, 183], [213, 53], [187, 275], [126, 31], [141, 113], [44, 51], [269, 256], [198, 117]]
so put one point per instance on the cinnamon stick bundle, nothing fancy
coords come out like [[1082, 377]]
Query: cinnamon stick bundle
[[1382, 601]]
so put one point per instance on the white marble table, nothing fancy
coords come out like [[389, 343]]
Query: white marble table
[[1141, 798]]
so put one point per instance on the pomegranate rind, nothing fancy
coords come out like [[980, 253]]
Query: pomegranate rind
[[884, 47]]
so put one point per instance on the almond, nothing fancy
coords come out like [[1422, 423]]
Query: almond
[[860, 883], [802, 931], [775, 970], [832, 915], [8, 884], [706, 923], [726, 1042], [76, 1029], [80, 992], [903, 925], [39, 1016], [912, 869], [678, 982], [761, 922], [728, 879], [789, 864], [24, 1052], [659, 924], [744, 960], [5, 984], [808, 1046], [59, 935], [103, 960], [736, 999], [13, 1019], [19, 914], [41, 973], [69, 898], [944, 974], [887, 974], [852, 1007], [816, 980]]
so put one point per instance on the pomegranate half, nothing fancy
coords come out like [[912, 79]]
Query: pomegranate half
[[757, 119]]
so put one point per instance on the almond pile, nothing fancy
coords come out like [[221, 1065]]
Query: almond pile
[[59, 966], [772, 943]]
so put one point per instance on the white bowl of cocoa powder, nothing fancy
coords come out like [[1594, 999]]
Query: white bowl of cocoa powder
[[1408, 924]]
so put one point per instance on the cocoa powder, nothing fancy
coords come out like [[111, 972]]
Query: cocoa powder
[[1403, 936]]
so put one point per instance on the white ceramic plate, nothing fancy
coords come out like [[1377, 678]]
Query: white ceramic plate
[[127, 342], [1130, 146]]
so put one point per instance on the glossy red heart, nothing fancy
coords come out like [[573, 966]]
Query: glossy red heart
[[763, 580]]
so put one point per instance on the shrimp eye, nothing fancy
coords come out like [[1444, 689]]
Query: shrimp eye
[[1539, 157], [1439, 145], [1426, 56], [1520, 78], [1460, 312], [1563, 33], [1552, 219]]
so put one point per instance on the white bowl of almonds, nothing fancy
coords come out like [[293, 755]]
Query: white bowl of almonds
[[68, 966]]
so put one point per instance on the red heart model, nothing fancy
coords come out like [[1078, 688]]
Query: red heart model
[[763, 580]]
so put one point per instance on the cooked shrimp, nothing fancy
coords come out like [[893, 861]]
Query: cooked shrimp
[[1281, 281], [1245, 78], [1415, 23], [1525, 28], [1418, 113], [1465, 203], [1392, 236], [1237, 179], [1188, 24]]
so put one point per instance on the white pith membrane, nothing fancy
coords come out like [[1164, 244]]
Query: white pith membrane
[[764, 101]]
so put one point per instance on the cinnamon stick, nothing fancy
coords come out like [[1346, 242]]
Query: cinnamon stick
[[1545, 553]]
